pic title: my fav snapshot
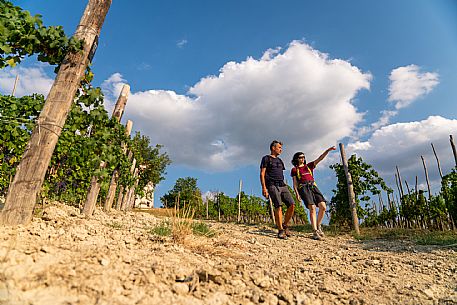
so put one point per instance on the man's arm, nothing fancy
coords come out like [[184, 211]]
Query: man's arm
[[262, 181], [324, 154]]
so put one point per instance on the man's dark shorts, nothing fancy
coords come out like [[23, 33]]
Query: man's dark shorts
[[280, 194], [310, 194]]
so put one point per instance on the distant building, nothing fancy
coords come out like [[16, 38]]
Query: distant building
[[146, 202]]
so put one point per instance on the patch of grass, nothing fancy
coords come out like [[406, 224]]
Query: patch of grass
[[158, 212], [201, 228], [448, 238], [115, 225], [420, 237], [163, 229], [181, 224]]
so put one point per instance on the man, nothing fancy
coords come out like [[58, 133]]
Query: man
[[273, 187], [305, 188]]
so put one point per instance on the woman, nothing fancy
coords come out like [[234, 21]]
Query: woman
[[305, 188]]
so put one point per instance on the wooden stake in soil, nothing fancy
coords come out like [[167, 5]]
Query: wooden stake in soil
[[399, 182], [115, 177], [131, 197], [31, 171], [437, 161], [426, 177], [15, 85], [127, 191], [351, 195], [239, 201], [451, 139], [94, 189]]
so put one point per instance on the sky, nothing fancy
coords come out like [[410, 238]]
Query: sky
[[216, 81]]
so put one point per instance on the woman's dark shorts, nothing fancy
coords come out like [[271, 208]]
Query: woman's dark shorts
[[310, 194], [280, 194]]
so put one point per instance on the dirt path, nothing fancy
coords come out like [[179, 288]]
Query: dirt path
[[63, 258]]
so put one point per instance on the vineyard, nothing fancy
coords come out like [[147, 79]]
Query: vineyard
[[91, 146], [71, 234], [95, 160], [401, 210]]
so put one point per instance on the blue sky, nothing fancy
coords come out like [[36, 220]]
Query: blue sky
[[216, 81]]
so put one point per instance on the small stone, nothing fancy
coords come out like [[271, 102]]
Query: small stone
[[429, 293], [104, 262], [180, 288]]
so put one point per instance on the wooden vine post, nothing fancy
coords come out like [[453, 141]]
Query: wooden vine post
[[24, 189], [131, 197], [94, 189], [351, 195], [239, 201], [426, 177], [127, 193], [400, 183], [437, 162], [16, 81], [451, 139], [118, 111], [120, 198]]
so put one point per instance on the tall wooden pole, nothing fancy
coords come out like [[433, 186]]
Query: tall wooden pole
[[127, 191], [426, 178], [351, 195], [219, 206], [239, 201], [91, 199], [94, 189], [451, 139], [437, 161], [132, 196], [31, 171], [121, 102], [115, 177], [399, 182], [396, 183], [16, 80]]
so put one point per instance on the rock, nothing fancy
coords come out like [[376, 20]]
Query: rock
[[180, 288], [104, 262]]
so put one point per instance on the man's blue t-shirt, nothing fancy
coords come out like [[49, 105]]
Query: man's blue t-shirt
[[274, 170]]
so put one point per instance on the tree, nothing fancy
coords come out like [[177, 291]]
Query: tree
[[185, 191], [152, 163], [365, 180]]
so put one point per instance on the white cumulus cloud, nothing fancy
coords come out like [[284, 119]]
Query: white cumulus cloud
[[408, 84], [299, 96], [403, 144], [31, 80]]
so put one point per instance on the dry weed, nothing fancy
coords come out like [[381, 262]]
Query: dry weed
[[181, 224]]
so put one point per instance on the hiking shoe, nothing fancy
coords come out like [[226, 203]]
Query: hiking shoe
[[316, 236], [286, 230], [320, 232], [282, 234]]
